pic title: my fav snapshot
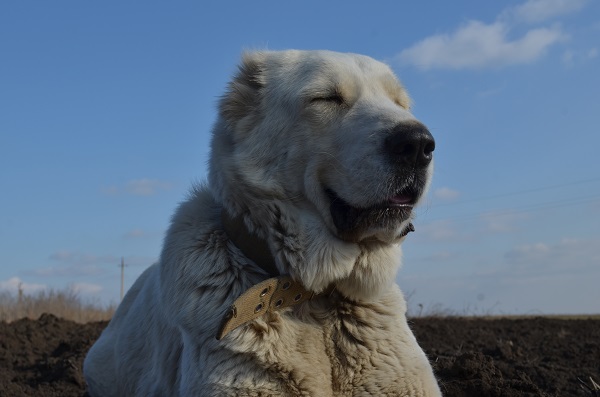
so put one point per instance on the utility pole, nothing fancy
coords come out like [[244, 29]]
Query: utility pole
[[122, 277]]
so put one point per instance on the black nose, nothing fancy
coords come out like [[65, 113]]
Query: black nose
[[410, 144]]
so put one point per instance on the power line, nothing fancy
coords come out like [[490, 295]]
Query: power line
[[521, 209], [519, 192]]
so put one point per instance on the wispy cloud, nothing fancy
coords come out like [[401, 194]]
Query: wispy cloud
[[527, 252], [77, 264], [441, 256], [146, 187], [139, 187], [438, 231], [479, 45], [502, 222], [533, 11], [504, 290], [85, 288], [13, 285], [572, 57], [567, 255], [446, 194], [490, 92], [79, 258], [67, 271], [135, 233], [83, 259]]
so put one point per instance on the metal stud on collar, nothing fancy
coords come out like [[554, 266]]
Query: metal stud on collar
[[269, 296]]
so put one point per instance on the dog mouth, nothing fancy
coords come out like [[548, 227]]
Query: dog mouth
[[352, 222]]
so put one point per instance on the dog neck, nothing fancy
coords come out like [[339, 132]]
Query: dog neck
[[273, 294], [253, 247]]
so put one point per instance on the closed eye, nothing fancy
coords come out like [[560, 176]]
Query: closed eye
[[333, 98]]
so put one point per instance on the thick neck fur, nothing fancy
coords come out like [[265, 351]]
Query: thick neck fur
[[306, 249]]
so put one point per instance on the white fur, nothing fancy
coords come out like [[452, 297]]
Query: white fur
[[275, 146]]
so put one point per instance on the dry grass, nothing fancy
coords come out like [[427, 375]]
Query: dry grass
[[65, 304], [438, 310], [591, 388]]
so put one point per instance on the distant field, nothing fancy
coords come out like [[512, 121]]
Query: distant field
[[550, 316], [516, 316], [65, 304]]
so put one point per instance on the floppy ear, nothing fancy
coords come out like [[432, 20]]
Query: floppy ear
[[243, 93]]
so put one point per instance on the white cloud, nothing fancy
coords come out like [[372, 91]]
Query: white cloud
[[506, 289], [76, 264], [14, 283], [86, 264], [537, 277], [67, 271], [565, 256], [146, 187], [575, 57], [135, 233], [533, 11], [502, 222], [490, 92], [567, 57], [441, 256], [477, 46], [139, 187], [445, 193], [437, 231], [78, 258], [528, 252], [85, 288]]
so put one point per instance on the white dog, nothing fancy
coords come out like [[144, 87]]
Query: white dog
[[277, 278]]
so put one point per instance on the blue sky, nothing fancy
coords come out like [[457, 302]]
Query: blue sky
[[106, 110]]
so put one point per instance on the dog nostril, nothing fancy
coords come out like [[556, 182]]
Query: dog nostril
[[429, 148], [428, 152], [410, 144]]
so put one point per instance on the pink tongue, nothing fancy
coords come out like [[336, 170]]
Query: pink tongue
[[401, 199]]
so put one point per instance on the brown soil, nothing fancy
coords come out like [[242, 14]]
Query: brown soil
[[472, 357]]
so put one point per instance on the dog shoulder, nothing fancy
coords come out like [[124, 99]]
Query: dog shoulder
[[201, 270]]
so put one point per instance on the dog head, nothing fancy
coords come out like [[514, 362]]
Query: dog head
[[320, 154], [330, 132]]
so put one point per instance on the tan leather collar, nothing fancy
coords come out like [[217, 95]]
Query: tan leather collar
[[268, 296], [271, 295]]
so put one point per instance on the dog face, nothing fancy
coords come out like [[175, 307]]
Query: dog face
[[329, 133]]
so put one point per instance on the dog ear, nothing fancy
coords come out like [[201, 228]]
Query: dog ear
[[243, 92]]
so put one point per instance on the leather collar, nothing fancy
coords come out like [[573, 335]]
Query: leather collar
[[271, 295]]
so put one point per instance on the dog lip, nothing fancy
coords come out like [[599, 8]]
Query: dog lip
[[405, 197], [402, 200], [350, 220]]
